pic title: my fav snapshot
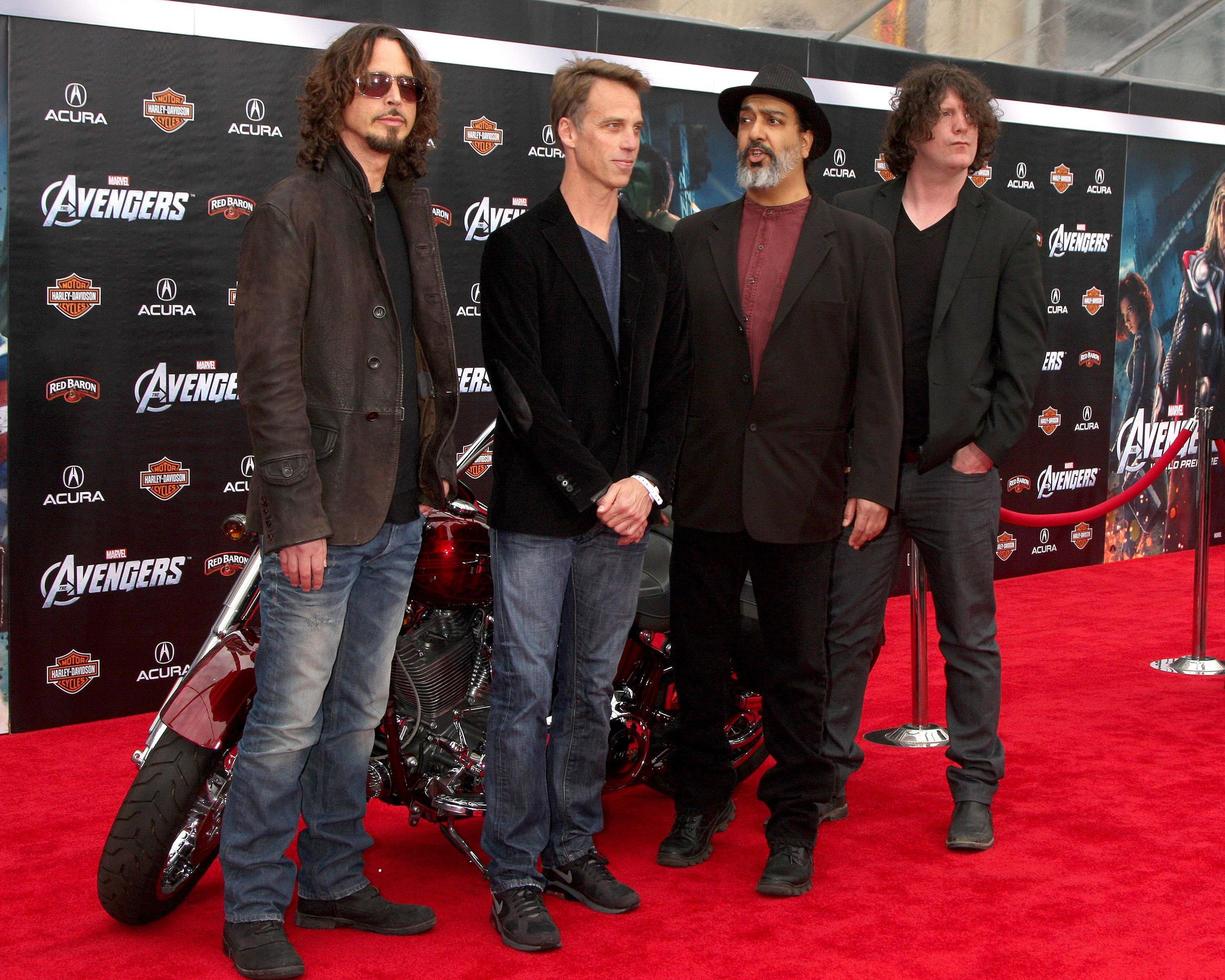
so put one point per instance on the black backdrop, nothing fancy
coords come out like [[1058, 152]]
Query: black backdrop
[[135, 159]]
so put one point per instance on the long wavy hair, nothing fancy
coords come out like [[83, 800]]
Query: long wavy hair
[[1135, 290], [916, 110], [1213, 240], [330, 87]]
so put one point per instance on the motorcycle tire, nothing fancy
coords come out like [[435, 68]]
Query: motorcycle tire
[[151, 861]]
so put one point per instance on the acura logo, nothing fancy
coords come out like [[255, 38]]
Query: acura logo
[[475, 292], [255, 109], [1099, 176], [248, 466], [1055, 296], [163, 653], [1045, 536], [167, 290], [1087, 414], [840, 157], [75, 95], [1022, 170], [547, 137], [74, 477]]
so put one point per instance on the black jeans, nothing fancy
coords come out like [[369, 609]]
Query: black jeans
[[954, 519], [791, 582]]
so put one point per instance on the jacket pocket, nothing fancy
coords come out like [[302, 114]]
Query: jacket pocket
[[284, 471], [323, 440]]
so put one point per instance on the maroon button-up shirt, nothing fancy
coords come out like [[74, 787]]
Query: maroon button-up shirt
[[768, 237]]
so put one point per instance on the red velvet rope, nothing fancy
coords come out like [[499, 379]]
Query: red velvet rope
[[1098, 510]]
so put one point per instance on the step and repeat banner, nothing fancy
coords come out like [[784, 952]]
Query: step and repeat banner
[[136, 158]]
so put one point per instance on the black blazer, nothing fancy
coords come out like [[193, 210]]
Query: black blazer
[[989, 325], [772, 462], [573, 416]]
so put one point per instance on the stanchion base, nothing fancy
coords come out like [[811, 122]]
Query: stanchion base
[[1194, 666], [911, 736]]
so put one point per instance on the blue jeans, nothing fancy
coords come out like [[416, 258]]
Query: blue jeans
[[562, 610], [322, 675]]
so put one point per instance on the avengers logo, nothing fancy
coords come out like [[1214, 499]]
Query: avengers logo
[[482, 219], [66, 581]]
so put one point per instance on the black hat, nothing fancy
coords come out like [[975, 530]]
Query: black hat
[[787, 84]]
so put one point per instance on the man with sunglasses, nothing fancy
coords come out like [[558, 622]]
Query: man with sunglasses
[[346, 370]]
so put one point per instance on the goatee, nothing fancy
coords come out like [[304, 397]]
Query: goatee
[[769, 174]]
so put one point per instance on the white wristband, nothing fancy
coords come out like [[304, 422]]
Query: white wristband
[[651, 489]]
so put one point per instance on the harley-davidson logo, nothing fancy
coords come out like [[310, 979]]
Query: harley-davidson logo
[[442, 214], [72, 388], [1093, 300], [1005, 545], [1082, 534], [480, 465], [73, 672], [882, 168], [1018, 484], [225, 563], [230, 206], [483, 135], [1061, 178], [1048, 420], [168, 110], [74, 296], [980, 177], [165, 478]]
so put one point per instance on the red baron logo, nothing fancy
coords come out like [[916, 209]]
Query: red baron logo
[[1018, 484], [442, 214], [1005, 545], [72, 388], [1082, 534], [1090, 358], [882, 168], [1093, 300], [480, 465], [74, 671], [225, 563], [1061, 178], [168, 110], [483, 135], [1048, 420], [230, 206], [74, 296], [165, 478], [980, 177]]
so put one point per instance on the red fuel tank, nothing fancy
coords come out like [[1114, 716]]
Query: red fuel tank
[[453, 568]]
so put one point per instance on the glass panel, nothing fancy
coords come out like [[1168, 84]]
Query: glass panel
[[1194, 56]]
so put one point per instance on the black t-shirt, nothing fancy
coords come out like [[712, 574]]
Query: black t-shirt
[[920, 256], [394, 248]]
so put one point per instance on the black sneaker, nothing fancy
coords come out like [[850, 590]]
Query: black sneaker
[[689, 841], [261, 949], [788, 871], [366, 910], [970, 829], [587, 879], [835, 809], [523, 922]]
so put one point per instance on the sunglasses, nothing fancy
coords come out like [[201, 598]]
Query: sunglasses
[[376, 84]]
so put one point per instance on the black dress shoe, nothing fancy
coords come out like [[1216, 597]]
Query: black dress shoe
[[689, 841], [366, 910], [261, 949], [835, 809], [788, 871], [970, 829]]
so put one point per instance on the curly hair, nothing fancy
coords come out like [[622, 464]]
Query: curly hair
[[916, 110], [1135, 290], [1214, 234], [329, 88]]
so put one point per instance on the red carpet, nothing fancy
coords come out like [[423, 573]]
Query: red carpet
[[1109, 859]]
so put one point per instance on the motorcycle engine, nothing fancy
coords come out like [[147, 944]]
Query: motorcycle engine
[[436, 667]]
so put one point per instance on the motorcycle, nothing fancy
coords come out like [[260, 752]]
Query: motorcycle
[[428, 753]]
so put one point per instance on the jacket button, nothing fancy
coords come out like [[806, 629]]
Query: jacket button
[[746, 378], [739, 329], [286, 470], [380, 312], [752, 426], [374, 362], [371, 416], [616, 430]]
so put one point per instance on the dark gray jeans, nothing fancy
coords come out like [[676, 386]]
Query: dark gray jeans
[[954, 519]]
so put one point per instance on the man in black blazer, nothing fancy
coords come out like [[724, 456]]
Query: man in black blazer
[[585, 343], [970, 287], [795, 332]]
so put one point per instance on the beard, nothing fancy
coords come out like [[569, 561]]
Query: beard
[[385, 140], [769, 174]]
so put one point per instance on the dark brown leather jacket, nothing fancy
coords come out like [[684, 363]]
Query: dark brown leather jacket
[[319, 357]]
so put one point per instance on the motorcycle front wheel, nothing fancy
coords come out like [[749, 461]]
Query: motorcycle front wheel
[[167, 830]]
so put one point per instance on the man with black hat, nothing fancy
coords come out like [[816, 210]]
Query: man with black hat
[[795, 332]]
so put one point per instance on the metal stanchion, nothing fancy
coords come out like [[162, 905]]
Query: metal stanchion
[[1199, 663], [919, 734]]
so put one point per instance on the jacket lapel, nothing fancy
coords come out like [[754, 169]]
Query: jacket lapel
[[562, 233], [813, 245], [724, 244], [967, 221], [887, 204], [633, 275]]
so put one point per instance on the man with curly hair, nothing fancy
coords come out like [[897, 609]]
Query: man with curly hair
[[969, 283], [346, 369]]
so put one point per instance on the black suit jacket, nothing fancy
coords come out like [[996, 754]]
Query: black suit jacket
[[989, 325], [772, 462], [573, 415]]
